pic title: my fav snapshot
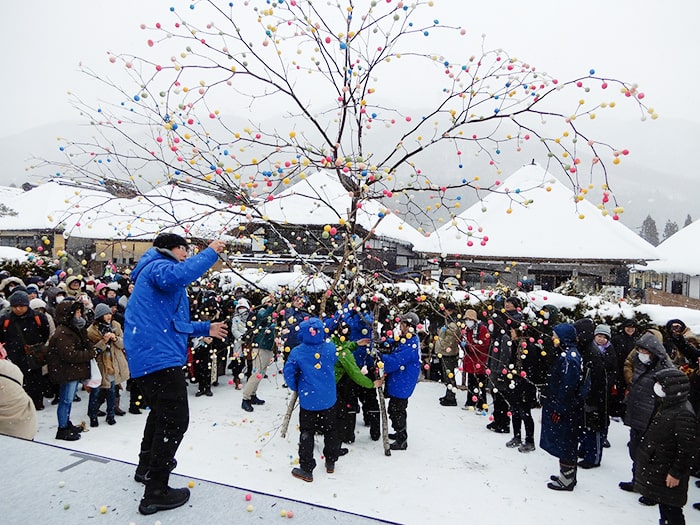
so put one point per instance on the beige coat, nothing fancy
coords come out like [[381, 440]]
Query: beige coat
[[112, 361], [17, 412]]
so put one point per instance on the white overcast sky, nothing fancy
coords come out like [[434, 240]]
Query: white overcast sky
[[651, 42]]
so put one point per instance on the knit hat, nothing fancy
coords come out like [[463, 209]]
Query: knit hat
[[471, 314], [410, 318], [19, 298], [37, 303], [514, 301], [169, 241], [102, 309], [627, 323], [603, 329]]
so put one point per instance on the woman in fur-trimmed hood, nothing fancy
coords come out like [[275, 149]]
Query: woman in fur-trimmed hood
[[69, 357]]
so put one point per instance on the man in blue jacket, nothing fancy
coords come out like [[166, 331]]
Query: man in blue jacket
[[156, 328], [310, 371]]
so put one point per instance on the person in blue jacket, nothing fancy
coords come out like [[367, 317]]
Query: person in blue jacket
[[562, 410], [360, 322], [156, 328], [310, 372], [402, 369]]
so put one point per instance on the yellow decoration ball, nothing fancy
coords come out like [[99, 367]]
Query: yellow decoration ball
[[190, 484], [103, 509]]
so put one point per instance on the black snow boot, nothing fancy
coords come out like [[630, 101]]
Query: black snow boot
[[163, 499], [159, 496], [450, 400], [401, 442], [67, 434], [303, 474], [566, 480]]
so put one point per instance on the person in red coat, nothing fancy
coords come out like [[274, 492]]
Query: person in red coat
[[476, 350]]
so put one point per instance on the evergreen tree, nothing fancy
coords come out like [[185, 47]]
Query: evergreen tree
[[670, 228], [649, 232], [688, 221], [5, 210]]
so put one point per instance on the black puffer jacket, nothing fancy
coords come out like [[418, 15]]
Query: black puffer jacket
[[70, 350], [667, 444], [640, 399], [596, 400]]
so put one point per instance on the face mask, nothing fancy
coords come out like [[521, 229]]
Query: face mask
[[59, 298], [659, 390], [470, 324], [79, 322], [195, 289], [644, 358]]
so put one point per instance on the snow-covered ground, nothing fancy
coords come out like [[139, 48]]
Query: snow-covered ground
[[454, 471]]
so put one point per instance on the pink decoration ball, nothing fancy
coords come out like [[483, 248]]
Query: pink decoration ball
[[248, 497], [290, 514], [426, 366], [259, 376], [230, 381], [328, 40]]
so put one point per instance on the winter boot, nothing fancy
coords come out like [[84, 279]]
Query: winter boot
[[247, 405], [76, 429], [67, 434], [94, 422], [117, 410], [627, 486], [566, 479], [111, 421], [528, 446], [302, 474], [163, 498], [255, 400], [330, 466], [515, 442], [401, 442], [450, 400], [158, 495]]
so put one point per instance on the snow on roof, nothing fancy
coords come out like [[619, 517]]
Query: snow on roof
[[549, 228], [12, 254], [321, 199], [91, 213], [676, 252]]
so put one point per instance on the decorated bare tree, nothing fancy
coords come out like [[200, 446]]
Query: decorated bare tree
[[242, 100]]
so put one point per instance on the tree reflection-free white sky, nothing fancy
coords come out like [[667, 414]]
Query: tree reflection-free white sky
[[648, 42]]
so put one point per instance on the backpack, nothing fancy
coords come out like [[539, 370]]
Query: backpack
[[34, 354]]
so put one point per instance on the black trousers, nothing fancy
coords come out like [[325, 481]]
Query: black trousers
[[312, 422], [500, 410], [398, 414], [165, 391], [671, 515]]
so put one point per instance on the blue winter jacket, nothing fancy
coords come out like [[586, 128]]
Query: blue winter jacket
[[310, 367], [157, 319], [402, 367], [560, 432], [293, 317], [360, 327]]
